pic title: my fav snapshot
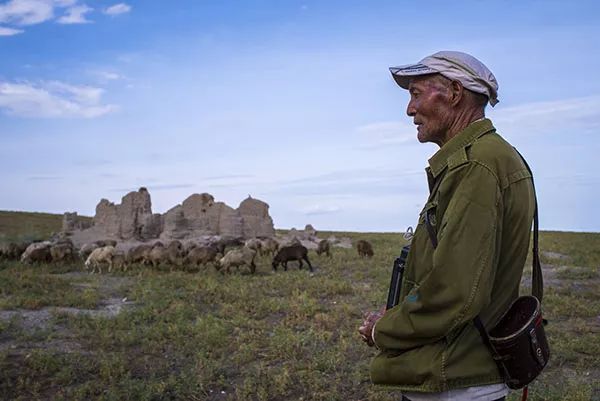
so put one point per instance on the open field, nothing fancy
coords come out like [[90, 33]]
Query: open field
[[149, 334], [29, 225]]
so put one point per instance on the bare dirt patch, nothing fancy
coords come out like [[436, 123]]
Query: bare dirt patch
[[30, 329]]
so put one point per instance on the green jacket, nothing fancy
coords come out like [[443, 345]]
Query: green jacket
[[481, 203]]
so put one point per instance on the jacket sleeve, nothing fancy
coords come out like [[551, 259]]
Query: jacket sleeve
[[460, 280]]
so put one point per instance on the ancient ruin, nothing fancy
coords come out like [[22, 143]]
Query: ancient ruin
[[198, 215]]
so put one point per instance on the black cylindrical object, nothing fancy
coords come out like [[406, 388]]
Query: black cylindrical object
[[520, 343]]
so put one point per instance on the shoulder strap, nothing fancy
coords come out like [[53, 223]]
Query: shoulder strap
[[537, 282]]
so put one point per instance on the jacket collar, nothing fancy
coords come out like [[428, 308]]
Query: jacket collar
[[439, 161]]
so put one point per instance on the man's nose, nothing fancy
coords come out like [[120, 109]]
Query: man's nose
[[410, 109]]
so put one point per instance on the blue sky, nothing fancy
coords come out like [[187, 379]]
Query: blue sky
[[289, 101]]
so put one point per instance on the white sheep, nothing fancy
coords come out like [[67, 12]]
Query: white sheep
[[238, 257], [100, 256]]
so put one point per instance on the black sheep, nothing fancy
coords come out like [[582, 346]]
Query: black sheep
[[293, 252]]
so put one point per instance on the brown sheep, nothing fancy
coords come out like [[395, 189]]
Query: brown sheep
[[157, 255], [293, 252], [38, 252], [118, 260], [138, 254], [201, 255], [62, 252], [175, 253], [171, 255], [364, 248], [13, 250], [228, 242], [106, 242], [324, 248]]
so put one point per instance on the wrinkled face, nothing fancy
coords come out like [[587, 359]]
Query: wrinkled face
[[430, 108]]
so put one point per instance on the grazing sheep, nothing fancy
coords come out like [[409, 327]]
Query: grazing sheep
[[138, 254], [364, 248], [157, 255], [175, 253], [295, 241], [269, 246], [255, 244], [62, 252], [188, 246], [171, 254], [87, 249], [38, 252], [238, 257], [118, 260], [201, 255], [293, 252], [324, 248], [6, 250], [13, 250], [226, 242], [106, 242], [100, 256]]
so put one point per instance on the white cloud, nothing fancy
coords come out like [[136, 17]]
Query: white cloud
[[105, 76], [87, 95], [581, 114], [31, 12], [320, 209], [120, 8], [65, 3], [9, 31], [388, 133], [575, 114], [75, 15], [111, 76], [26, 12], [52, 100]]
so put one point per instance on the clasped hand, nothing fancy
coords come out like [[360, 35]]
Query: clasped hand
[[366, 329]]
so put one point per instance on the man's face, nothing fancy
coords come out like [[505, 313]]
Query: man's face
[[430, 108]]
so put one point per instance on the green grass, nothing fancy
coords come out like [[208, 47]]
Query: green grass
[[582, 249], [34, 287], [284, 336], [27, 225]]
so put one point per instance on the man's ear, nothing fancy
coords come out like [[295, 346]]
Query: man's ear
[[457, 92]]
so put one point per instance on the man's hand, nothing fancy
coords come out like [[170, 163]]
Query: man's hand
[[366, 329]]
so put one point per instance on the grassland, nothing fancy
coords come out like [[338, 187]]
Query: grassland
[[29, 226], [154, 335]]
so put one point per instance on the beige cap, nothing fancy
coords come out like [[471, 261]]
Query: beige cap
[[457, 66]]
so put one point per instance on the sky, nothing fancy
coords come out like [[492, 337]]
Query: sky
[[290, 102]]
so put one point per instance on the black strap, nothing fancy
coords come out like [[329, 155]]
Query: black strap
[[537, 282], [428, 223]]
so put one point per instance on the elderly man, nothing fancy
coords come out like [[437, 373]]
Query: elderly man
[[469, 248]]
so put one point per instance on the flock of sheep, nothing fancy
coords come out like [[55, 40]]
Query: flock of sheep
[[224, 253]]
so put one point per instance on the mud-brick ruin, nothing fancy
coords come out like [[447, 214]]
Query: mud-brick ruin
[[199, 215]]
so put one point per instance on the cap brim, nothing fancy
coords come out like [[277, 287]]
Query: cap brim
[[404, 73]]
